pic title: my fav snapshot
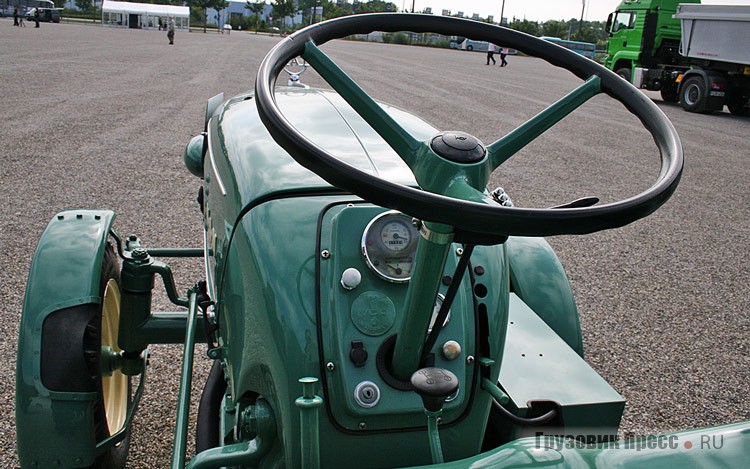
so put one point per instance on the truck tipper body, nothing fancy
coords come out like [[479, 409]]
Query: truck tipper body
[[694, 54]]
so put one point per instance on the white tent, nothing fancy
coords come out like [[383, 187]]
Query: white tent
[[143, 15]]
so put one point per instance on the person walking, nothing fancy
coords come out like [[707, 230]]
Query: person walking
[[170, 30], [503, 62], [15, 17], [36, 17], [491, 49]]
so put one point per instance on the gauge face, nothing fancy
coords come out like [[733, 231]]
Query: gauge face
[[389, 244], [396, 235]]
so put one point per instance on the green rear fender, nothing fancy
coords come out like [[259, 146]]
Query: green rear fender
[[65, 272], [538, 278]]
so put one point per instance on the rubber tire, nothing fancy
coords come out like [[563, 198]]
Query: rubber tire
[[693, 94], [625, 73], [669, 94], [738, 108], [470, 48], [91, 319], [209, 411]]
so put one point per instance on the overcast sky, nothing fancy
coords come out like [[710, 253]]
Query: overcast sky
[[537, 10]]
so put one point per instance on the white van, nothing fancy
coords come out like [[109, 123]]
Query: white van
[[48, 15]]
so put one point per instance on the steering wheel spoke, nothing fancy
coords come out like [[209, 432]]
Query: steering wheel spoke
[[527, 132], [399, 139]]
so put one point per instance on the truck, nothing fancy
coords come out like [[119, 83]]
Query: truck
[[691, 53]]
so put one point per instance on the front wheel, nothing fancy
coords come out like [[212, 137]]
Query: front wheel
[[693, 94], [77, 337], [625, 73]]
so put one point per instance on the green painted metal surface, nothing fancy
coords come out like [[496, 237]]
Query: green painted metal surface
[[538, 278], [725, 446], [343, 226], [55, 427], [429, 269], [186, 380], [248, 158], [308, 405], [267, 312], [539, 366]]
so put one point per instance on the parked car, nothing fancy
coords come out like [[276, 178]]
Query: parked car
[[48, 15]]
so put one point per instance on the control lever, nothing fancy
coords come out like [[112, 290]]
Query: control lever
[[579, 203], [434, 386]]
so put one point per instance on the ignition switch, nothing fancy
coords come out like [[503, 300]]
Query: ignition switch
[[367, 394]]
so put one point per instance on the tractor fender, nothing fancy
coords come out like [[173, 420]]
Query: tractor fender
[[538, 278], [65, 272]]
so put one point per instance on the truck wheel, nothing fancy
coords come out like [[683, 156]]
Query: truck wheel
[[739, 107], [669, 94], [625, 73], [693, 94], [99, 323]]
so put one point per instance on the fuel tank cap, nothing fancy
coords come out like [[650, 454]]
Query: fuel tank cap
[[458, 146]]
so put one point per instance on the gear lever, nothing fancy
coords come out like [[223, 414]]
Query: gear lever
[[434, 385]]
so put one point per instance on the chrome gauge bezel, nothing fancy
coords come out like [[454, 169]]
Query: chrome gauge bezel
[[375, 251]]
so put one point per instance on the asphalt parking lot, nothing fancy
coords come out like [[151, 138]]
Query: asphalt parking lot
[[97, 117]]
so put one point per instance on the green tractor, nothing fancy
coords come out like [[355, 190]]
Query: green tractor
[[367, 301]]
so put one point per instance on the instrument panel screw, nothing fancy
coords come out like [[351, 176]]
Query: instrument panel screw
[[330, 366], [459, 251], [325, 254], [470, 359]]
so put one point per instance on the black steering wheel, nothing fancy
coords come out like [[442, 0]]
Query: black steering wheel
[[452, 168]]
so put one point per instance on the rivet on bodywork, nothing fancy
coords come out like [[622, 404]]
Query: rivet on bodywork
[[330, 366], [325, 254]]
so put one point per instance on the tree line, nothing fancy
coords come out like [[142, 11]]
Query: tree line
[[588, 31]]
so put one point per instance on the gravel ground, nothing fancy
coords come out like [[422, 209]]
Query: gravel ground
[[98, 118]]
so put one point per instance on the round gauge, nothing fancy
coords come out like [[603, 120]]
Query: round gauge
[[389, 244], [396, 235]]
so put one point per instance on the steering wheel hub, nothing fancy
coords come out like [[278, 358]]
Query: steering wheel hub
[[458, 147]]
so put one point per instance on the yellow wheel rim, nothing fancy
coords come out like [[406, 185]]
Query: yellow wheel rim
[[115, 386]]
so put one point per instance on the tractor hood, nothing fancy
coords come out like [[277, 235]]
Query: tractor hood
[[256, 167]]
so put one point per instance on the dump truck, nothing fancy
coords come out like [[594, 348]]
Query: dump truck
[[691, 53]]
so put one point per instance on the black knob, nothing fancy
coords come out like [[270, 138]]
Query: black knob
[[434, 385], [458, 147], [358, 353]]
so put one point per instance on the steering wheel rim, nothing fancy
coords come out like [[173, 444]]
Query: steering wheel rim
[[470, 216]]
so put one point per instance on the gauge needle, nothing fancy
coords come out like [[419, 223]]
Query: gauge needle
[[395, 267]]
